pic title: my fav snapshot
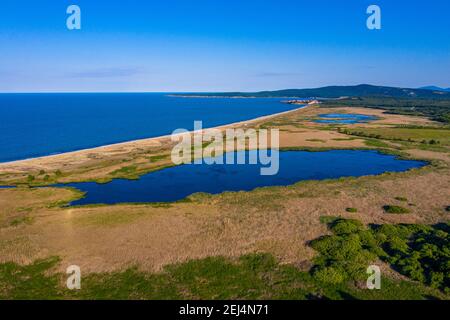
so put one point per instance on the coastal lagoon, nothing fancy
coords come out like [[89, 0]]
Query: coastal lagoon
[[176, 183], [344, 118], [34, 125]]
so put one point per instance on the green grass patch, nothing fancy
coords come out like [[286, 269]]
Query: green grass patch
[[343, 139], [21, 220], [108, 219], [376, 143], [158, 157], [33, 281], [424, 135], [351, 210], [125, 170]]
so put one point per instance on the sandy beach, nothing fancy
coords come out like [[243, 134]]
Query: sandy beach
[[78, 156]]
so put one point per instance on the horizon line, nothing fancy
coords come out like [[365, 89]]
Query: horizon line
[[229, 91]]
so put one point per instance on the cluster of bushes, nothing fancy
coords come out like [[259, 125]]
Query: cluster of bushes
[[419, 252], [432, 141], [42, 175], [361, 134], [346, 254]]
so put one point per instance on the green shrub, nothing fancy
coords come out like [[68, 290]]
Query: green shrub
[[370, 242], [403, 199], [411, 267], [352, 210], [346, 226], [436, 279], [330, 275], [395, 209], [397, 245], [324, 245]]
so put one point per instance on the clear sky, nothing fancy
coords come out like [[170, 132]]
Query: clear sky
[[221, 45]]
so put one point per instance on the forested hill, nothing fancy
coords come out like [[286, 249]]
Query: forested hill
[[363, 90]]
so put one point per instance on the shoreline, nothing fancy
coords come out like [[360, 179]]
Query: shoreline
[[230, 97], [106, 148]]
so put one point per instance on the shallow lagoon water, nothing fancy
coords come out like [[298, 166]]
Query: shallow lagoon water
[[176, 183], [344, 118]]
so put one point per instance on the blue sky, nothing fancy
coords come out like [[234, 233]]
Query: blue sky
[[221, 45]]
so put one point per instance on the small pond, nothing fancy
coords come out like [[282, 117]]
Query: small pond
[[344, 118]]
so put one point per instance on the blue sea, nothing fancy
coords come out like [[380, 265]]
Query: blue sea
[[34, 125]]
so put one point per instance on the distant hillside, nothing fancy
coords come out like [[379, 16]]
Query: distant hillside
[[435, 88], [363, 90]]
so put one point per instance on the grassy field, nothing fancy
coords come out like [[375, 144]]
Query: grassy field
[[338, 273], [270, 243], [437, 136]]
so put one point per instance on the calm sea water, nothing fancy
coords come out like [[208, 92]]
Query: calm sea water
[[176, 183], [344, 118], [33, 125]]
